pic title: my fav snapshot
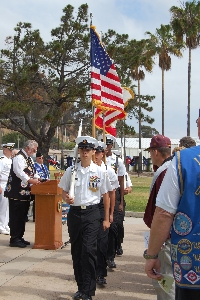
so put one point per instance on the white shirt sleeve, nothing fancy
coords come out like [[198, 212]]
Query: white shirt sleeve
[[169, 193], [105, 184], [113, 178], [128, 181], [1, 165], [65, 180], [19, 164], [121, 168]]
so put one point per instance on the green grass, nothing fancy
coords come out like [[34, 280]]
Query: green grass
[[137, 200]]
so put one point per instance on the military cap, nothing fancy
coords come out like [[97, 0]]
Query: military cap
[[100, 147], [110, 139], [86, 142], [9, 146]]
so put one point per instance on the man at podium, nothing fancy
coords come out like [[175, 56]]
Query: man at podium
[[22, 176]]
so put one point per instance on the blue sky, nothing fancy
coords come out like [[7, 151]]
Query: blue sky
[[133, 17]]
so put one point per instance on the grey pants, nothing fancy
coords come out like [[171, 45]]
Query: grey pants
[[166, 268]]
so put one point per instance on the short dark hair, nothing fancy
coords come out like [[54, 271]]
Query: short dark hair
[[164, 151]]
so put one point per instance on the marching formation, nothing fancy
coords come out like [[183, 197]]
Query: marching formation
[[95, 218]]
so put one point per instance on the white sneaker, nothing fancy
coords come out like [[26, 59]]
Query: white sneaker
[[4, 231]]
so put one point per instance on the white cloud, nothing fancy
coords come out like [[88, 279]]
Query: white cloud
[[124, 16]]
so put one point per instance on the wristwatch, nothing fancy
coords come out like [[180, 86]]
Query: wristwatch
[[146, 256]]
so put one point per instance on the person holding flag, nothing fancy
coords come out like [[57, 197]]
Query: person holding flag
[[102, 240], [117, 164], [83, 218]]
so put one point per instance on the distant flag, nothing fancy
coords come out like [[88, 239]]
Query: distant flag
[[145, 161], [107, 95]]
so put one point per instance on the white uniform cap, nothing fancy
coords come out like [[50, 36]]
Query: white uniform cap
[[86, 142], [8, 145], [110, 139], [101, 146], [117, 152]]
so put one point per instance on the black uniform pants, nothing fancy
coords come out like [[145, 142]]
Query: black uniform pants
[[113, 230], [83, 227], [120, 226], [102, 245], [18, 211]]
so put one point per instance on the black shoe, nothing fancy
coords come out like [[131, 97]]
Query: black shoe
[[25, 242], [119, 251], [101, 280], [78, 295], [17, 244], [111, 264], [86, 297]]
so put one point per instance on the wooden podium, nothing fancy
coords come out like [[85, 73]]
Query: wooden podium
[[48, 215]]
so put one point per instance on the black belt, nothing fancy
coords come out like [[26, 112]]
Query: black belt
[[83, 207]]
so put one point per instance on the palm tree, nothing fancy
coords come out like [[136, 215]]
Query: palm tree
[[140, 59], [185, 21], [163, 43]]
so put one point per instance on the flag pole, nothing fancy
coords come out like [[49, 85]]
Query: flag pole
[[93, 108]]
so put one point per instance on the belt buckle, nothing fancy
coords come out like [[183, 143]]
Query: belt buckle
[[83, 206]]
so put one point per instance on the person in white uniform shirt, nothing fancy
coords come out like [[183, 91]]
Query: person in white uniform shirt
[[5, 165], [102, 240], [83, 218], [117, 164], [18, 190]]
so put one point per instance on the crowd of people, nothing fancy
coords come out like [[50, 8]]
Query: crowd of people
[[97, 210]]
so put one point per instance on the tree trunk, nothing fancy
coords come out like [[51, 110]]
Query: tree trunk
[[163, 101], [189, 88]]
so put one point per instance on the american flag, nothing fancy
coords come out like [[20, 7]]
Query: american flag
[[111, 117], [106, 89]]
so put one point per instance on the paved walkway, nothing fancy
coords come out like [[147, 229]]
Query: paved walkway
[[47, 274]]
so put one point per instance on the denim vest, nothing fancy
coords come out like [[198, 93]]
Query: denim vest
[[185, 235]]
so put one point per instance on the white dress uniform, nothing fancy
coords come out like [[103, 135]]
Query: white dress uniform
[[120, 168], [116, 231], [93, 177], [5, 165], [111, 175], [83, 219]]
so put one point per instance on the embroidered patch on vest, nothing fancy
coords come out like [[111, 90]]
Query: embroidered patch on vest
[[182, 224], [186, 262], [177, 272], [23, 185], [192, 277], [184, 246], [8, 188]]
